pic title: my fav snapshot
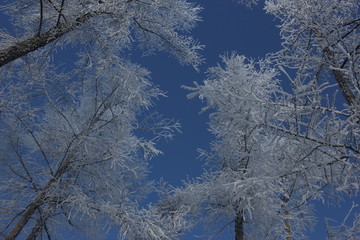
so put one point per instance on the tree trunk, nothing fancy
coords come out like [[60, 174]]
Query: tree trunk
[[41, 224], [239, 226], [288, 230], [341, 79], [40, 198], [26, 216]]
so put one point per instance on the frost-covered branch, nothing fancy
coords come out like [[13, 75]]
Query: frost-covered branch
[[73, 155]]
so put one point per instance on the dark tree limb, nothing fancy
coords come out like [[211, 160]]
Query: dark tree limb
[[41, 196], [60, 12], [26, 216], [37, 228], [288, 230], [41, 223], [41, 17], [31, 44], [341, 79]]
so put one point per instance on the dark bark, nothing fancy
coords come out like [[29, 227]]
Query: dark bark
[[288, 230], [341, 79], [40, 199], [26, 216], [41, 224], [31, 44], [239, 226]]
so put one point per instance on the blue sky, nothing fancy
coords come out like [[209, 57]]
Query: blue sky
[[226, 27]]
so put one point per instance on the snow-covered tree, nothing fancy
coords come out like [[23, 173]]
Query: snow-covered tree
[[72, 155], [277, 148], [320, 37]]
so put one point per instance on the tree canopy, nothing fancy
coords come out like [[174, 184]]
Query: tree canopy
[[78, 132], [71, 158]]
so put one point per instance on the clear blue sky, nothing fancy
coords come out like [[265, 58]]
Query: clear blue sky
[[226, 27]]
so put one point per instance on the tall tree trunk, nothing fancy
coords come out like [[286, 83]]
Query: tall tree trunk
[[41, 223], [239, 226], [40, 198], [26, 216]]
